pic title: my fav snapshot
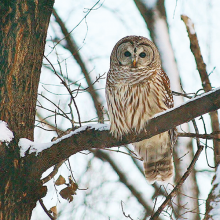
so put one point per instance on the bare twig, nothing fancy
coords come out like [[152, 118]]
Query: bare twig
[[127, 216], [68, 89], [72, 47], [63, 113], [203, 136], [53, 173], [45, 209], [179, 184], [87, 13]]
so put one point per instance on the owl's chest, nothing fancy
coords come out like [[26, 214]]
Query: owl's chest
[[147, 97], [139, 103]]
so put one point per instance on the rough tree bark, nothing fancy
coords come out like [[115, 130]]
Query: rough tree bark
[[23, 30]]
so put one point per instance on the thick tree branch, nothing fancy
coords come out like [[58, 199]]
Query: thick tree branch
[[122, 176], [92, 138]]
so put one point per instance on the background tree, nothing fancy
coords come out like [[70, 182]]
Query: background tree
[[71, 94]]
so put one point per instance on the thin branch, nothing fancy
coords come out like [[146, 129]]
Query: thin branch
[[68, 89], [72, 47], [87, 13], [63, 113], [123, 179], [53, 173], [201, 66], [203, 136], [45, 209], [129, 154], [127, 216], [179, 184]]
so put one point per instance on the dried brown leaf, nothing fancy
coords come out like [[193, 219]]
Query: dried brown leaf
[[60, 181], [74, 187], [67, 193], [53, 210]]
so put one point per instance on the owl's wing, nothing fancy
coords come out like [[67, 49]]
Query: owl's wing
[[169, 103], [166, 84]]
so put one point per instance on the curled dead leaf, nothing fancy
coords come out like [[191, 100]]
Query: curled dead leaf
[[66, 193], [53, 211]]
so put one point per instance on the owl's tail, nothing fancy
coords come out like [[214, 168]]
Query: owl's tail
[[158, 159], [159, 170]]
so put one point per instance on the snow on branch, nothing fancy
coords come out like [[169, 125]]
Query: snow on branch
[[98, 136], [29, 147], [6, 135]]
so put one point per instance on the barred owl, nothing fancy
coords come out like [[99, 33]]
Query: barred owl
[[137, 88]]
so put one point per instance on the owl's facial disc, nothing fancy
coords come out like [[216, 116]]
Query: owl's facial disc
[[125, 52], [145, 55], [134, 56]]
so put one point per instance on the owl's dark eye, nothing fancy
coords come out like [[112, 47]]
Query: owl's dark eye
[[127, 53], [142, 54]]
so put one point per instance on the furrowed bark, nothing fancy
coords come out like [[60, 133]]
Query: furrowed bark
[[23, 30]]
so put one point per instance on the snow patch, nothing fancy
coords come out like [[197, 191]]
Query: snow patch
[[28, 147], [6, 135], [150, 3], [215, 212], [191, 27], [191, 100], [97, 127]]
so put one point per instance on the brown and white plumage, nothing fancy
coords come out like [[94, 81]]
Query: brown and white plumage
[[136, 89]]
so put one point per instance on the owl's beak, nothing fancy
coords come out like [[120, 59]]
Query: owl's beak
[[134, 62]]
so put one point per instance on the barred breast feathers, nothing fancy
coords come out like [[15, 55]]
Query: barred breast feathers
[[131, 105]]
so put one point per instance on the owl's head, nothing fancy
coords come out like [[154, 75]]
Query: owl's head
[[134, 53]]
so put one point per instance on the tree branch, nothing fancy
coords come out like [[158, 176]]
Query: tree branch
[[203, 136], [201, 66], [122, 177], [72, 47], [179, 184], [89, 137]]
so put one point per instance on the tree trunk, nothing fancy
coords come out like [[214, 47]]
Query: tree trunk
[[23, 30], [156, 20]]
